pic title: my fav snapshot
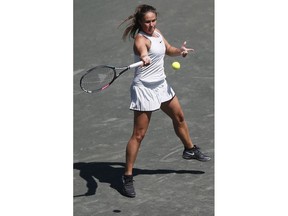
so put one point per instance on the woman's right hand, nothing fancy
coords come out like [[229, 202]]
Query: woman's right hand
[[146, 60]]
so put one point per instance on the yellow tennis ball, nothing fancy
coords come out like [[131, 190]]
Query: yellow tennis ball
[[176, 65]]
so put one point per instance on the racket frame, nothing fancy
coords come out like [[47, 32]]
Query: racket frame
[[123, 69]]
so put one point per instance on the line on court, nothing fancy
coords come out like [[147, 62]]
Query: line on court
[[77, 71], [171, 153]]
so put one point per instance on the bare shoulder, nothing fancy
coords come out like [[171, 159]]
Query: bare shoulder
[[141, 44], [140, 39]]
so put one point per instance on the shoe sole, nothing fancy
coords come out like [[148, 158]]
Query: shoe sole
[[128, 195], [189, 158]]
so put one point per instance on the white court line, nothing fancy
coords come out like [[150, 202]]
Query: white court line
[[78, 92], [77, 71], [171, 153]]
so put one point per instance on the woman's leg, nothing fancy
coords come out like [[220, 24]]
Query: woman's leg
[[141, 123], [173, 109]]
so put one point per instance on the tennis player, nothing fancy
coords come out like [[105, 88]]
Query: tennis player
[[150, 90]]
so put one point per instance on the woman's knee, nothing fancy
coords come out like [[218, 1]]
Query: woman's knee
[[138, 136], [179, 118]]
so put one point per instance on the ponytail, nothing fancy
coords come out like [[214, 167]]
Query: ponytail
[[134, 26]]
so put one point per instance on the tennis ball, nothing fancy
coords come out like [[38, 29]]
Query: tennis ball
[[176, 65]]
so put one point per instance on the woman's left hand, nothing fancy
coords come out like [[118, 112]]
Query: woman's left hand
[[184, 50]]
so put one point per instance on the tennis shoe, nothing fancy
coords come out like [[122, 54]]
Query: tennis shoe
[[195, 153], [128, 187]]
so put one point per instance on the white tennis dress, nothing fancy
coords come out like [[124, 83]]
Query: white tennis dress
[[149, 88]]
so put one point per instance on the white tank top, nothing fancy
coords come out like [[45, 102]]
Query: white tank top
[[154, 72]]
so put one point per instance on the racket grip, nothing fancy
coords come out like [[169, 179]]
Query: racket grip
[[137, 64]]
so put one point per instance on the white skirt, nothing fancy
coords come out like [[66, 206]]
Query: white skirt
[[149, 97]]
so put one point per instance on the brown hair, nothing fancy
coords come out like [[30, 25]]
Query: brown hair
[[134, 25]]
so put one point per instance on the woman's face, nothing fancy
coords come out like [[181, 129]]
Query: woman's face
[[148, 23]]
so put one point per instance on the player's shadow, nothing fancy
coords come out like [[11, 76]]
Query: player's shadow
[[111, 173]]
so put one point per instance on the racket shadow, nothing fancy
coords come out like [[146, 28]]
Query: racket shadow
[[111, 173]]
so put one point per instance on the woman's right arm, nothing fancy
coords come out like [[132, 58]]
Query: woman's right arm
[[141, 45]]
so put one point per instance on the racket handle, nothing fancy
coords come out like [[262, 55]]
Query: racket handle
[[137, 64]]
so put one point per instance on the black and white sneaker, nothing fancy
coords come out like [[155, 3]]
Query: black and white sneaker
[[128, 187], [195, 153]]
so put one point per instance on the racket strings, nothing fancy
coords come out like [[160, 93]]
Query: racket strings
[[97, 78]]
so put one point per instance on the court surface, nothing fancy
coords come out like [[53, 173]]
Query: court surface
[[165, 183]]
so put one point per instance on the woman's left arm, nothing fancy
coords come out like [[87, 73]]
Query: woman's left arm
[[173, 51]]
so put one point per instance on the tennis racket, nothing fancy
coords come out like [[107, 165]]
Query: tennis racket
[[99, 78]]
